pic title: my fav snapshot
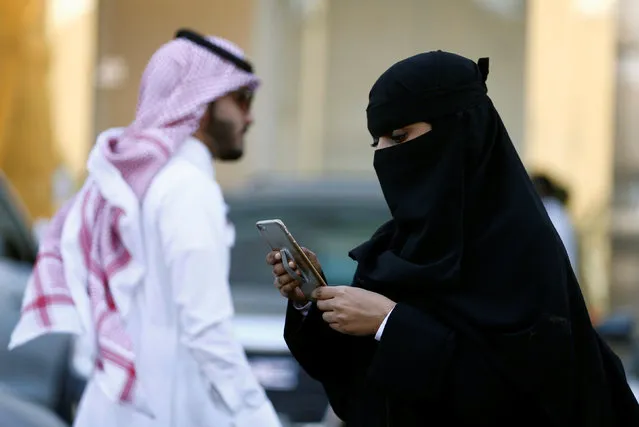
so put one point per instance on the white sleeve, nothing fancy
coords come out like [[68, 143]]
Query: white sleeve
[[192, 229], [563, 224], [380, 330], [303, 309]]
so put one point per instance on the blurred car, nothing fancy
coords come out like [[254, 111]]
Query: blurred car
[[38, 371], [16, 412], [328, 216], [618, 330]]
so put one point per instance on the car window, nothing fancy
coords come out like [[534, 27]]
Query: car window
[[16, 240]]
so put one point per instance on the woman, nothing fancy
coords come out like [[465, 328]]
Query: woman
[[464, 310]]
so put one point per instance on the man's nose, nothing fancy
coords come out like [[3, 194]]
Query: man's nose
[[249, 119]]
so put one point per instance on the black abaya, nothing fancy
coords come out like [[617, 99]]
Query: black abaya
[[491, 328]]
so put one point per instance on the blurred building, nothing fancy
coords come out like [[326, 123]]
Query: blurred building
[[625, 219], [27, 152], [557, 68], [317, 59]]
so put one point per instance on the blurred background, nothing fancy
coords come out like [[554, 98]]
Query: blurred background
[[564, 76]]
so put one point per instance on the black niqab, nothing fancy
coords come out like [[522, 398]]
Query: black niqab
[[470, 240], [462, 204]]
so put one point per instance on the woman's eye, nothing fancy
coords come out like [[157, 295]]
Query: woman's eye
[[399, 136]]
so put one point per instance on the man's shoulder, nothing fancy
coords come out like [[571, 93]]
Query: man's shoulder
[[180, 179]]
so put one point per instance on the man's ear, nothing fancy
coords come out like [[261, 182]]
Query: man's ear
[[204, 122], [206, 118]]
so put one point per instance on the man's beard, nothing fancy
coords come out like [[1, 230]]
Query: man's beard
[[224, 139]]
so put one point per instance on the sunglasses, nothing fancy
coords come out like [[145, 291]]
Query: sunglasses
[[244, 98]]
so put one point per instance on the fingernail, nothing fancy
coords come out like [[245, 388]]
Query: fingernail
[[291, 264], [278, 256]]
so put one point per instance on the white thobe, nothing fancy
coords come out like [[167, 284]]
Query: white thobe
[[563, 224], [189, 364]]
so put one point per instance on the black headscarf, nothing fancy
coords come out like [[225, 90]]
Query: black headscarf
[[470, 237]]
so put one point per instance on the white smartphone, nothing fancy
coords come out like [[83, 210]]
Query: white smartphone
[[280, 239]]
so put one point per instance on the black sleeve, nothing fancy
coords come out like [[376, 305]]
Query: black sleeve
[[413, 355], [420, 359], [316, 346], [323, 352], [332, 358]]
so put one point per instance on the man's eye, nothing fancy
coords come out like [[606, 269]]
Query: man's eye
[[244, 98]]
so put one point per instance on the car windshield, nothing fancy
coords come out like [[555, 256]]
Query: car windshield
[[16, 241], [328, 229]]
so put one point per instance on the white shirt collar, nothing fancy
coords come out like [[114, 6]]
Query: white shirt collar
[[195, 152]]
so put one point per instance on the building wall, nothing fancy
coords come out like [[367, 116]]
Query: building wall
[[367, 36], [570, 116], [72, 34], [318, 60], [27, 151], [131, 30], [625, 220]]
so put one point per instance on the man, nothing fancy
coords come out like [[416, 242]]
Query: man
[[555, 199], [138, 261]]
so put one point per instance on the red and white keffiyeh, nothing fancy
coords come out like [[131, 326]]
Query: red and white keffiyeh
[[92, 257]]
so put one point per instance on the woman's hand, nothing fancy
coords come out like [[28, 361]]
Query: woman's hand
[[352, 311], [287, 285]]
